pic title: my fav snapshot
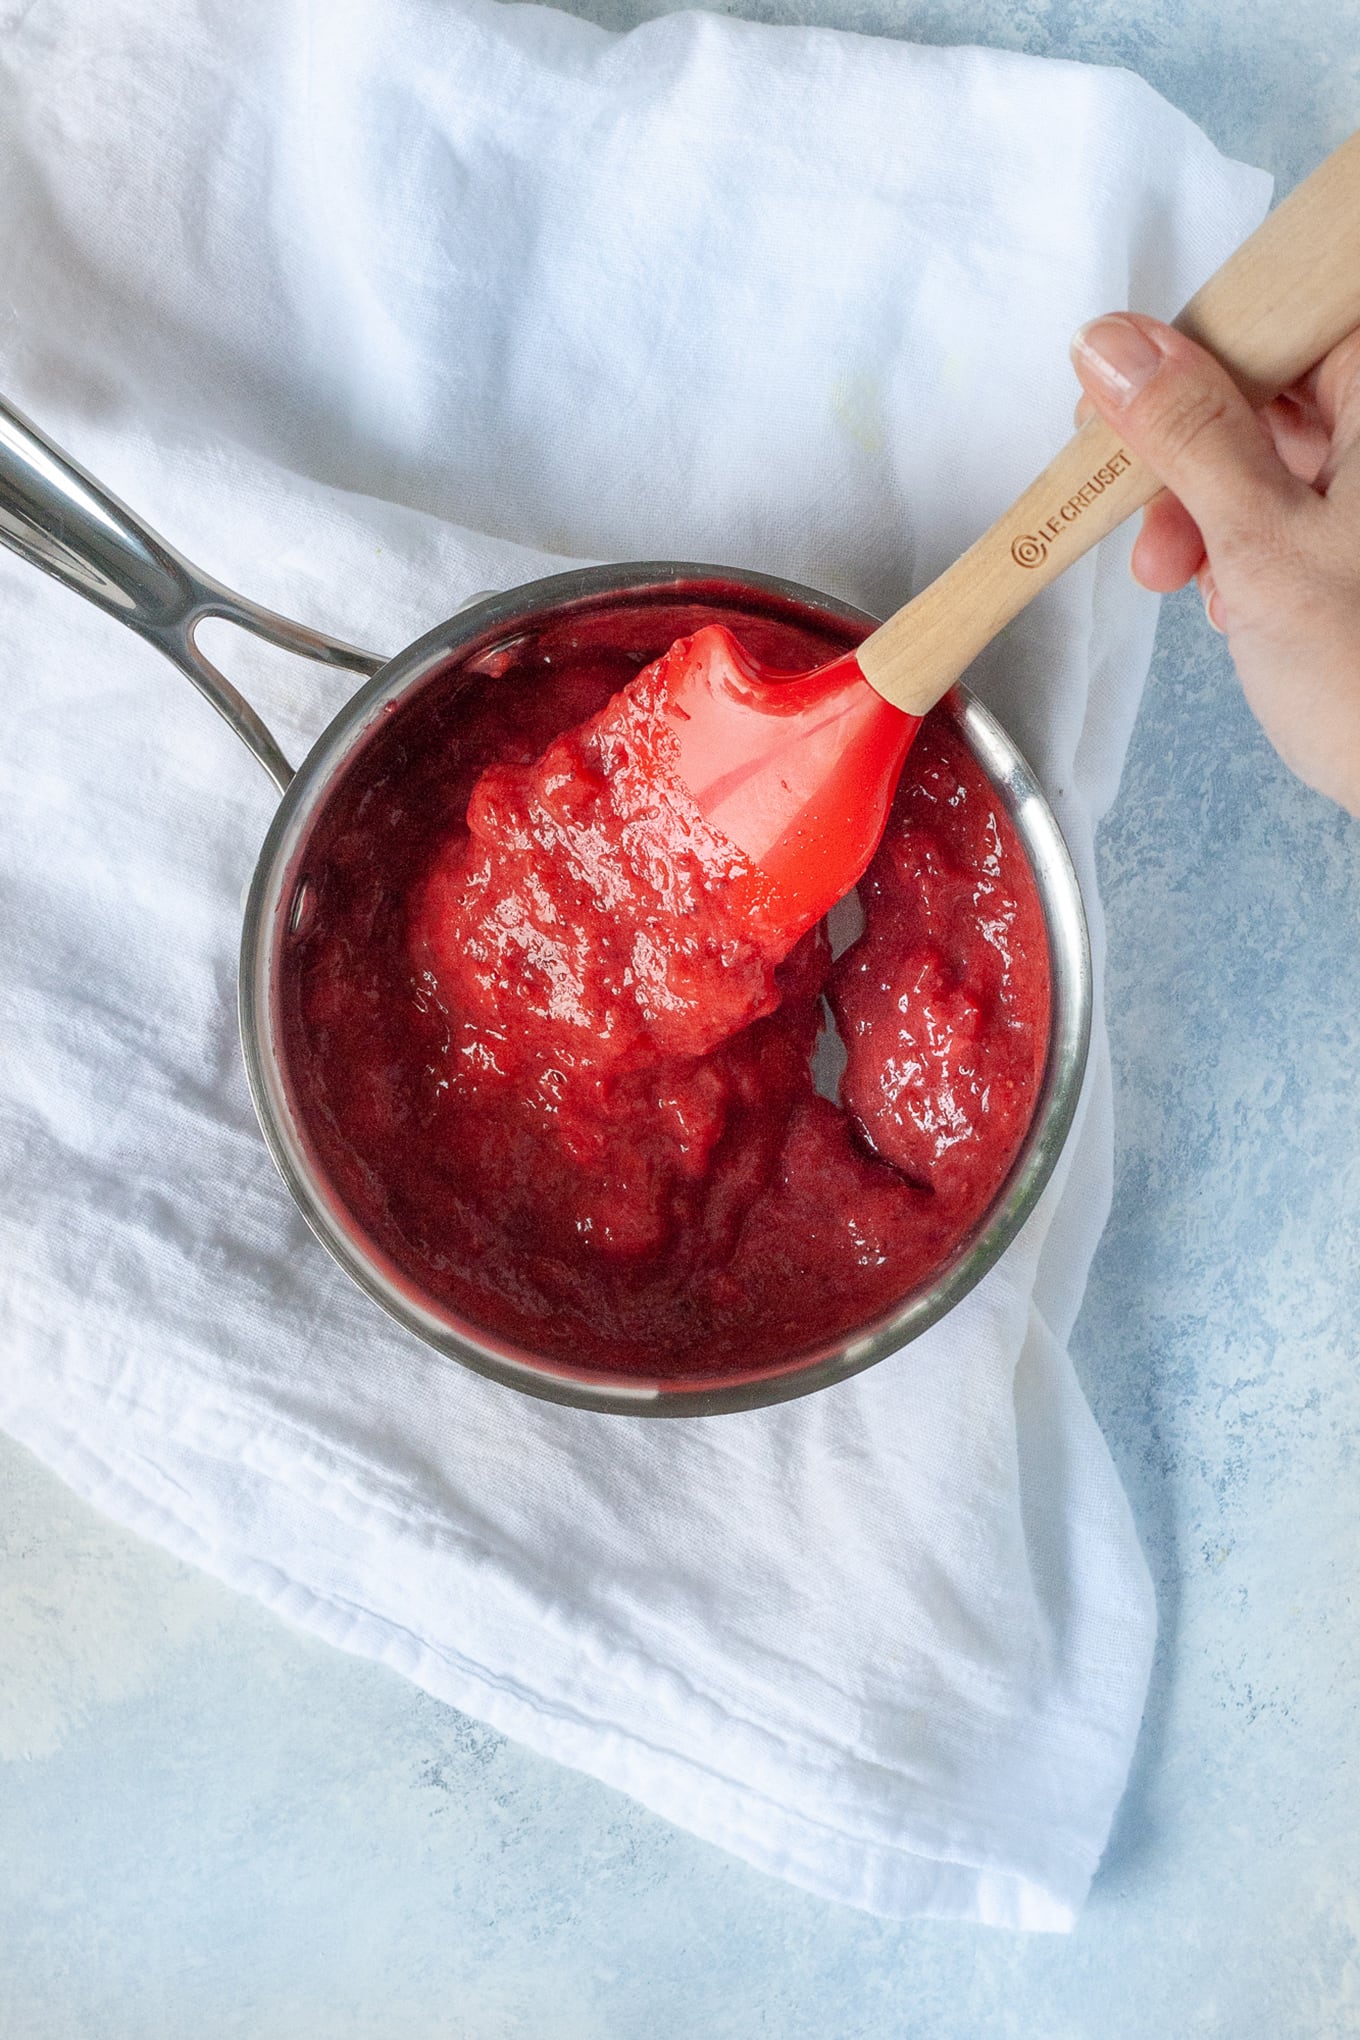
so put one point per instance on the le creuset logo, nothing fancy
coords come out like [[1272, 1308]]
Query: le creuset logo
[[1031, 548]]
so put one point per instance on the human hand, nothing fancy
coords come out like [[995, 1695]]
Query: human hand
[[1262, 509]]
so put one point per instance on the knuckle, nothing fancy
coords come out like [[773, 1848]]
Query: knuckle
[[1258, 539], [1338, 379], [1277, 570], [1183, 414], [1345, 397]]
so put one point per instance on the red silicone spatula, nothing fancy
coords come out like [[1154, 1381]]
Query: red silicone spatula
[[799, 770]]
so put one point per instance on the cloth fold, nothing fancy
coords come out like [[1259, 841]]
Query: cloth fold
[[372, 306]]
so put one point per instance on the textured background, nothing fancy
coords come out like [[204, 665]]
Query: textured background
[[211, 1826]]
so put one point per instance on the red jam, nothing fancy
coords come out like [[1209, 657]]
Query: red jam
[[554, 1061]]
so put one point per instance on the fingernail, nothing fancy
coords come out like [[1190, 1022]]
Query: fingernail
[[1119, 353], [1213, 605]]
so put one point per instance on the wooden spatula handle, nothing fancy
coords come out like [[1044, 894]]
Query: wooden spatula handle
[[1277, 306]]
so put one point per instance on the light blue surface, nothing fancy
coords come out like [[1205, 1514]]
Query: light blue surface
[[212, 1826]]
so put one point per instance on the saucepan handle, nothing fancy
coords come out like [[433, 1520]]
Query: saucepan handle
[[56, 515]]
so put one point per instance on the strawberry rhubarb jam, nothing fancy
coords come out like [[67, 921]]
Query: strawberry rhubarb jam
[[547, 1038]]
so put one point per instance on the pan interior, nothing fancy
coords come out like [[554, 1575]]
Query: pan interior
[[484, 650]]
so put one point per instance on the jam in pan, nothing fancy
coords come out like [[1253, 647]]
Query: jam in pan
[[559, 1069]]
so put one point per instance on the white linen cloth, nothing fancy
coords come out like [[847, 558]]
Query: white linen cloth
[[371, 305]]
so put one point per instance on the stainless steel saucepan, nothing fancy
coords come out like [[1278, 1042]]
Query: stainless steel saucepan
[[61, 519]]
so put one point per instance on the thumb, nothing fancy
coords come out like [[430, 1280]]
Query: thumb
[[1181, 412]]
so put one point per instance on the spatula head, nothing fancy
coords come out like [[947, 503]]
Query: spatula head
[[797, 769]]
